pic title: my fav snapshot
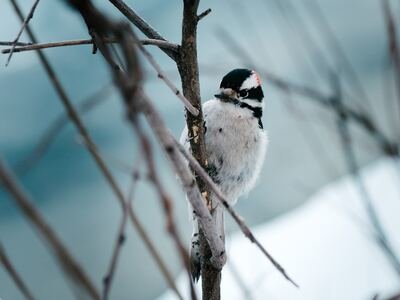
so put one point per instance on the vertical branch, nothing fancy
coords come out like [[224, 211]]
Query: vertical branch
[[189, 72], [5, 261]]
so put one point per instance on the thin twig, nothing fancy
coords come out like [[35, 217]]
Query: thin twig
[[166, 204], [28, 47], [29, 16], [203, 14], [142, 25], [3, 43], [160, 73], [6, 262], [163, 76], [108, 278], [154, 252], [70, 266]]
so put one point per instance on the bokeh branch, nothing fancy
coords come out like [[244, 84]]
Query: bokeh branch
[[351, 161], [72, 269], [29, 16], [6, 263]]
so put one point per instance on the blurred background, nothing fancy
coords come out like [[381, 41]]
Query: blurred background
[[326, 46]]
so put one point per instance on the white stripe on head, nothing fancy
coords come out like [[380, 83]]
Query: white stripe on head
[[253, 103], [252, 81]]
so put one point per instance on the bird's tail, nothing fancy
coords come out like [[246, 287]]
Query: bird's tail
[[217, 213]]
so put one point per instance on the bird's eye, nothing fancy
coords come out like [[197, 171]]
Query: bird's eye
[[243, 93]]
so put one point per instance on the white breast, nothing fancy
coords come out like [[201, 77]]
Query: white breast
[[236, 146]]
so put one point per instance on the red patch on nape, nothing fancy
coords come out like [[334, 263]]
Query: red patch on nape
[[257, 78]]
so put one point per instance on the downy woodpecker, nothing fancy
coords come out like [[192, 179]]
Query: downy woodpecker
[[236, 144]]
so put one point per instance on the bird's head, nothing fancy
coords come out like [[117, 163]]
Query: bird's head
[[243, 86]]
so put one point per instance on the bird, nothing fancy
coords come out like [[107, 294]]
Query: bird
[[236, 144]]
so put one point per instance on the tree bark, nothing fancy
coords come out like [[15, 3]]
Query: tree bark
[[189, 73]]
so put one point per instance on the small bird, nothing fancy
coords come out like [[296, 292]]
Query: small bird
[[236, 144]]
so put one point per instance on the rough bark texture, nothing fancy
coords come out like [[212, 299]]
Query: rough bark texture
[[188, 69]]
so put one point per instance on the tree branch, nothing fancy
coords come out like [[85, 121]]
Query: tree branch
[[6, 262], [108, 278], [189, 72], [24, 24], [29, 47], [141, 24], [203, 14], [161, 74]]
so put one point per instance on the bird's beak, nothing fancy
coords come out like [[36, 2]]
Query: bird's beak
[[226, 95], [223, 97]]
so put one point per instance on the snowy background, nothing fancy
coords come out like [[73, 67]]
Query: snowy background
[[305, 153]]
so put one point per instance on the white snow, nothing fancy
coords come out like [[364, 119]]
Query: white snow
[[326, 246]]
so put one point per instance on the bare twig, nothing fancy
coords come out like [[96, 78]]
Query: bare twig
[[161, 74], [29, 16], [108, 278], [189, 71], [6, 262], [142, 25], [71, 267], [3, 43], [203, 14], [166, 203], [28, 47], [154, 252]]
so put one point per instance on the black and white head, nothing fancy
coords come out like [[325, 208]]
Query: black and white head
[[242, 87]]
